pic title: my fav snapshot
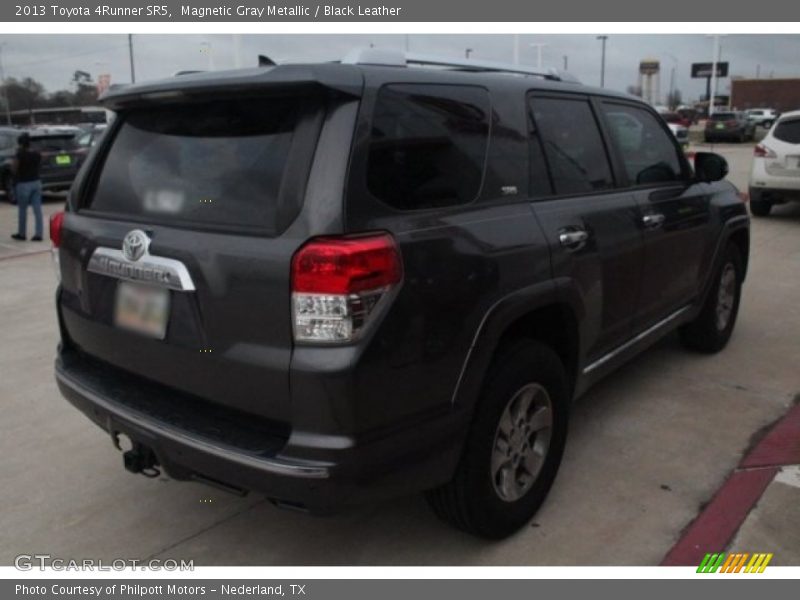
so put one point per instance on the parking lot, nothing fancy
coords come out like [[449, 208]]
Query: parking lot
[[648, 448]]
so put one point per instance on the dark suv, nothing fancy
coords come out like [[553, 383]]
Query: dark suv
[[334, 283]]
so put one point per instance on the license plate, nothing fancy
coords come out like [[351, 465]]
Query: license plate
[[720, 126], [63, 160], [793, 162], [142, 309]]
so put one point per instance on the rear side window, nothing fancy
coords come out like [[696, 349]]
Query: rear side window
[[52, 143], [428, 145], [647, 151], [572, 144], [219, 162], [724, 116], [788, 131]]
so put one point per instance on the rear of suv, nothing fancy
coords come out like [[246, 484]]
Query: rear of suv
[[336, 283], [775, 172]]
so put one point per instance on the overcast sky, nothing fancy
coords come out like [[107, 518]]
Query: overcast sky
[[52, 59]]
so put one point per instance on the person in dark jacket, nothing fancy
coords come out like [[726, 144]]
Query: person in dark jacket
[[28, 189]]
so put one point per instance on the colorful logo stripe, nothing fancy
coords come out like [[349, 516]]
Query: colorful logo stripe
[[734, 563]]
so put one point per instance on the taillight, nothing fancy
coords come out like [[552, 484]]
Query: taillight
[[56, 227], [56, 223], [763, 152], [338, 282]]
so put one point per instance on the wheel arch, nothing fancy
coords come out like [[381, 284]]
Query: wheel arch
[[540, 312]]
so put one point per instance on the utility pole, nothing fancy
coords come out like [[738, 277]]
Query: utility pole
[[603, 39], [3, 83], [565, 62], [130, 55]]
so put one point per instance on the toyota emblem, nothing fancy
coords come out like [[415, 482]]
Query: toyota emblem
[[135, 244]]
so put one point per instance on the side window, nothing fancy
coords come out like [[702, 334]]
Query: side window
[[428, 145], [648, 153], [572, 144]]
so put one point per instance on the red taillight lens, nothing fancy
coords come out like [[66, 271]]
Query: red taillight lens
[[56, 224], [763, 152], [338, 282], [346, 265]]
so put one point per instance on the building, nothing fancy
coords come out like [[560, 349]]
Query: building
[[781, 94]]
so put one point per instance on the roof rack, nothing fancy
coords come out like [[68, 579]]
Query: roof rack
[[392, 58]]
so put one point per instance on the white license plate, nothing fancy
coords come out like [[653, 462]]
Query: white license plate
[[793, 162], [141, 308]]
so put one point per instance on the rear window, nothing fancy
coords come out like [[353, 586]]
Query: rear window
[[723, 116], [428, 145], [788, 131], [219, 162], [52, 143]]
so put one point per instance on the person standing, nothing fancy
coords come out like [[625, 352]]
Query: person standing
[[28, 189]]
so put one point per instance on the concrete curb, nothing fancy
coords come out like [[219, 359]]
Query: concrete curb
[[717, 524]]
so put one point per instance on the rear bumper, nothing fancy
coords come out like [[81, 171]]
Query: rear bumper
[[348, 469], [765, 184]]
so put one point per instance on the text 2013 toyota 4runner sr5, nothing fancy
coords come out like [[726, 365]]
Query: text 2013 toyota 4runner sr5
[[339, 282]]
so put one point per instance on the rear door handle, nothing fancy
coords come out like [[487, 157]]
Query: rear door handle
[[653, 221], [573, 238]]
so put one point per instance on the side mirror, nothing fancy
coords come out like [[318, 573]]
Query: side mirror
[[710, 167]]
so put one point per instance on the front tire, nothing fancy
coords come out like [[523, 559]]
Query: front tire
[[713, 327], [514, 446]]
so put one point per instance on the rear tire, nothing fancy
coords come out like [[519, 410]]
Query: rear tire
[[519, 427], [712, 328], [759, 207], [767, 124]]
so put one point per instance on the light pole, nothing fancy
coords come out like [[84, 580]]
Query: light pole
[[603, 39], [714, 60], [467, 52], [3, 83], [516, 48], [538, 47], [130, 56], [566, 62]]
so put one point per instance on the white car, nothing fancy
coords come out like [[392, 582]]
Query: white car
[[775, 175], [762, 116]]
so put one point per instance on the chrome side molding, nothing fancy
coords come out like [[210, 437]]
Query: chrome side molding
[[154, 270], [638, 338]]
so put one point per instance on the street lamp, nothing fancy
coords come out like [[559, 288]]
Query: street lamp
[[674, 60], [603, 39], [467, 52], [538, 46]]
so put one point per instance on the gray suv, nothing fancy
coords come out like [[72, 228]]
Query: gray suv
[[335, 283]]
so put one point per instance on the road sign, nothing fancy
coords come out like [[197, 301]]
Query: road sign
[[700, 70]]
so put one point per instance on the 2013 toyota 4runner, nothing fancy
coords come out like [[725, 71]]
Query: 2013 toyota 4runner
[[333, 283]]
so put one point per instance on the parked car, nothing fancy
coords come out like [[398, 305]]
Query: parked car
[[678, 128], [8, 149], [392, 274], [731, 126], [775, 173], [677, 119], [61, 158], [764, 117]]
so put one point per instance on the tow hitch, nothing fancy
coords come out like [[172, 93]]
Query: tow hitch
[[139, 458]]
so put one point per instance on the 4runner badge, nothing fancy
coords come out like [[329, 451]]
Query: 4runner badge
[[135, 244]]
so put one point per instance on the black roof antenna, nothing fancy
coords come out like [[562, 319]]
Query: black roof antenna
[[265, 61]]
